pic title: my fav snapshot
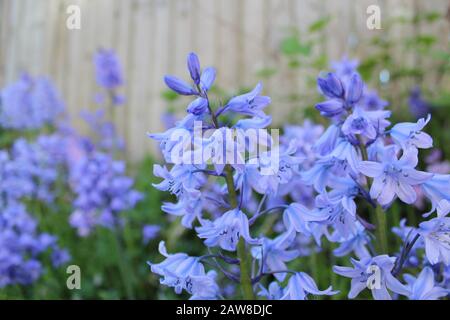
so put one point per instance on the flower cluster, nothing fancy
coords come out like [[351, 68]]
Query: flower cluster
[[323, 182], [222, 200], [21, 247], [25, 175], [109, 75], [29, 103], [102, 191]]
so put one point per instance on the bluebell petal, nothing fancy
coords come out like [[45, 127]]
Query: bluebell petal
[[179, 86]]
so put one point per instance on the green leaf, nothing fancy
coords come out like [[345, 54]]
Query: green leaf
[[319, 25], [292, 46], [169, 95]]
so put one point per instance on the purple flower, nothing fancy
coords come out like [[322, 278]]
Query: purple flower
[[408, 134], [345, 68], [29, 103], [417, 105], [371, 101], [108, 71], [22, 247], [331, 86], [353, 243], [177, 269], [198, 106], [194, 67], [437, 190], [341, 99], [226, 230], [274, 253], [102, 191], [300, 285], [251, 103], [179, 86], [436, 234], [202, 80], [150, 232], [394, 176], [374, 274], [366, 123], [423, 287]]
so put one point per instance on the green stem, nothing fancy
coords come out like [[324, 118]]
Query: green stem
[[125, 272], [379, 212], [381, 229], [246, 283]]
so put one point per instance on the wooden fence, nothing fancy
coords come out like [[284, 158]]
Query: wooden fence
[[152, 38]]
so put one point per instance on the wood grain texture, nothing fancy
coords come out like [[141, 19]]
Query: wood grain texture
[[152, 38]]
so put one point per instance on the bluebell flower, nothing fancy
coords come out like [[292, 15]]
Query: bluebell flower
[[202, 80], [300, 285], [345, 150], [366, 123], [394, 176], [436, 235], [189, 207], [299, 218], [29, 103], [356, 243], [108, 71], [179, 86], [273, 292], [418, 106], [354, 89], [102, 191], [106, 137], [150, 232], [323, 171], [274, 253], [177, 269], [331, 108], [373, 273], [198, 106], [22, 247], [423, 287], [408, 134], [437, 190], [251, 104], [60, 257], [345, 67], [226, 230], [203, 287], [194, 67], [180, 179], [340, 213], [166, 140], [327, 142], [331, 86], [339, 100], [371, 101]]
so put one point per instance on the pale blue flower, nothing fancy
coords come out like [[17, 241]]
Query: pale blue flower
[[300, 285], [226, 230], [375, 273], [177, 269], [437, 189], [408, 134], [423, 287], [394, 176], [251, 103], [274, 253], [436, 234]]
